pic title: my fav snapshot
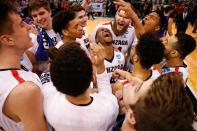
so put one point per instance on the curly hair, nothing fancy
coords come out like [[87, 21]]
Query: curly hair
[[165, 107], [150, 50], [71, 70]]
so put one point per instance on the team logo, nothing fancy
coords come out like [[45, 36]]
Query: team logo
[[118, 56]]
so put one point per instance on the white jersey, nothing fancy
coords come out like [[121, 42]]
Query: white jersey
[[154, 75], [10, 78], [60, 43], [84, 41], [117, 62], [122, 42], [54, 36], [179, 69], [26, 63], [34, 48], [98, 115]]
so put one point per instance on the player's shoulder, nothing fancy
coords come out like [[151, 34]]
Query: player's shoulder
[[106, 23]]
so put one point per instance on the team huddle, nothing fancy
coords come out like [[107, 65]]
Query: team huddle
[[127, 76]]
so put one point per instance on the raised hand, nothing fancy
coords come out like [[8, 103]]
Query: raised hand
[[97, 56]]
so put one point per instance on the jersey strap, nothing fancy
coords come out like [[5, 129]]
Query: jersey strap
[[16, 76]]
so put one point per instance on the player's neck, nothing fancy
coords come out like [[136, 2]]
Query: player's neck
[[174, 62], [9, 60], [67, 40], [127, 127], [82, 99], [109, 52], [115, 30], [141, 73], [49, 27]]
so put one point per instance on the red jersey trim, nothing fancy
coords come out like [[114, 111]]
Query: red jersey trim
[[176, 69], [17, 77], [124, 82]]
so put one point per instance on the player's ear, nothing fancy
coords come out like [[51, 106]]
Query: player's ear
[[65, 32], [130, 117]]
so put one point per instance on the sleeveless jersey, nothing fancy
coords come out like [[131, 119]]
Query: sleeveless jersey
[[10, 78], [26, 63], [154, 75], [63, 115], [122, 42], [60, 43], [117, 62], [179, 69]]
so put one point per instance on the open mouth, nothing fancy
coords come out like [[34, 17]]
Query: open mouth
[[121, 24], [107, 35]]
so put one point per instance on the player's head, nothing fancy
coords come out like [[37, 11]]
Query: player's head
[[154, 21], [41, 13], [169, 9], [13, 31], [148, 51], [164, 106], [80, 14], [66, 23], [121, 21], [104, 36], [179, 46], [71, 70]]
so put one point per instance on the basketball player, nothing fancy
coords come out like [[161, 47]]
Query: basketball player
[[82, 16], [153, 22], [21, 101], [123, 33], [68, 25], [68, 104], [41, 14], [176, 49], [147, 52], [149, 104], [114, 59]]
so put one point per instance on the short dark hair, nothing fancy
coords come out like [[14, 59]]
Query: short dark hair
[[165, 106], [185, 44], [150, 50], [162, 19], [36, 4], [168, 8], [62, 19], [71, 70], [77, 8], [6, 9]]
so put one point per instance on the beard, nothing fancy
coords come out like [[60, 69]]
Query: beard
[[167, 55], [119, 32]]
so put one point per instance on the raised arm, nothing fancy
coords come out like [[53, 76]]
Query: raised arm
[[132, 15]]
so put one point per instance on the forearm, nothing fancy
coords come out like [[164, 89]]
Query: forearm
[[103, 82], [139, 29]]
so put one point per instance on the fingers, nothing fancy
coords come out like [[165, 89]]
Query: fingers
[[97, 53], [122, 74]]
